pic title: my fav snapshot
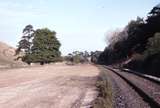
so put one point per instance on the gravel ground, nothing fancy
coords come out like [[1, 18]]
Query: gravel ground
[[124, 96], [49, 86], [150, 88]]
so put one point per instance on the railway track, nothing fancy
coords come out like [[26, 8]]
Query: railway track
[[146, 87], [148, 77]]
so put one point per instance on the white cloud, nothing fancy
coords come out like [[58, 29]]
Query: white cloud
[[14, 16], [17, 9]]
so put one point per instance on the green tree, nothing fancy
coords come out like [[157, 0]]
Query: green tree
[[153, 46], [45, 47], [155, 11], [26, 41]]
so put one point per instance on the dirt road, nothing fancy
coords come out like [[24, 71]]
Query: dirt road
[[49, 86]]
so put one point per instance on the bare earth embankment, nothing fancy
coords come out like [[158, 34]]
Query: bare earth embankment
[[50, 86], [7, 57]]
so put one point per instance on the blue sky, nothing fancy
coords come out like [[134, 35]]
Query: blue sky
[[80, 24]]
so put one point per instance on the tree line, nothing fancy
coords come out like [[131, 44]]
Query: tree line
[[137, 46], [82, 57]]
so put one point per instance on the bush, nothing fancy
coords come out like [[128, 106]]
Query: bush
[[104, 99]]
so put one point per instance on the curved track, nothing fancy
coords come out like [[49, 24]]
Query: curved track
[[147, 89]]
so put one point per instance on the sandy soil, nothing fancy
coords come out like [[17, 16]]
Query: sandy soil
[[7, 56], [49, 86]]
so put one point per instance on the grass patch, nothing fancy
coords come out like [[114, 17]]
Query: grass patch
[[104, 99]]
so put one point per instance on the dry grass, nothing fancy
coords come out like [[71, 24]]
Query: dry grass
[[104, 99]]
